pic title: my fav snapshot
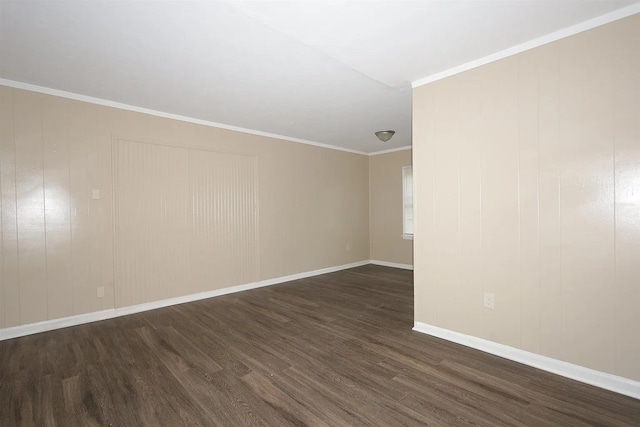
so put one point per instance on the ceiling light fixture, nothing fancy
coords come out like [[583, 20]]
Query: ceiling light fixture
[[385, 135]]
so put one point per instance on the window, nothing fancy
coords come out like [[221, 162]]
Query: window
[[407, 202]]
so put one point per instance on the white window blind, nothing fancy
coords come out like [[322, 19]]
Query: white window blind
[[407, 202]]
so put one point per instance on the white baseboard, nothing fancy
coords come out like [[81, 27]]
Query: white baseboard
[[575, 372], [49, 325], [392, 264]]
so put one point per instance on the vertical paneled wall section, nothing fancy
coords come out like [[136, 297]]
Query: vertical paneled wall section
[[53, 241], [527, 175], [182, 216], [198, 208]]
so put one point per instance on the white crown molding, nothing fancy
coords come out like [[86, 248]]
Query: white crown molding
[[113, 104], [392, 264], [531, 44], [49, 325], [391, 150], [575, 372]]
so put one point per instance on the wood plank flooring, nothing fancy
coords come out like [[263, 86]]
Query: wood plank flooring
[[332, 350]]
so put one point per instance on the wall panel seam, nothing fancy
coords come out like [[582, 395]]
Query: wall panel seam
[[15, 187], [44, 207]]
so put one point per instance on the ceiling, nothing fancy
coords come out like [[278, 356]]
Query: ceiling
[[325, 72]]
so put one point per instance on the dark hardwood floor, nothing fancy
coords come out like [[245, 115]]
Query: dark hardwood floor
[[331, 350]]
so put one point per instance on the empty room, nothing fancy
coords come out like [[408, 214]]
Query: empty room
[[320, 213]]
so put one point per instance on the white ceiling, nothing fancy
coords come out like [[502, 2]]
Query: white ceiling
[[326, 72]]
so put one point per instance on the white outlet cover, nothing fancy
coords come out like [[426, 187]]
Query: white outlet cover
[[101, 292], [489, 300], [95, 194]]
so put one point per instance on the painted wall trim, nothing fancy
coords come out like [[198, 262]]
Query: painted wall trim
[[392, 264], [49, 325], [531, 44], [119, 105], [391, 150], [575, 372]]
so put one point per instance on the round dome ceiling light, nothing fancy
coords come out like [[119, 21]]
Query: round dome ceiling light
[[385, 135]]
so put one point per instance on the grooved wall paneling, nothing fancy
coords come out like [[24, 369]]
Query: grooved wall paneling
[[30, 208], [153, 216], [185, 221], [10, 303], [224, 230], [146, 208], [527, 175], [57, 211]]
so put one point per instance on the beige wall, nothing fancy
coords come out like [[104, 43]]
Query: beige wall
[[385, 194], [194, 208], [527, 177]]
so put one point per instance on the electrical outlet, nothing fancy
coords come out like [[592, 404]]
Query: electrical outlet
[[489, 300], [101, 292], [95, 194], [347, 247]]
